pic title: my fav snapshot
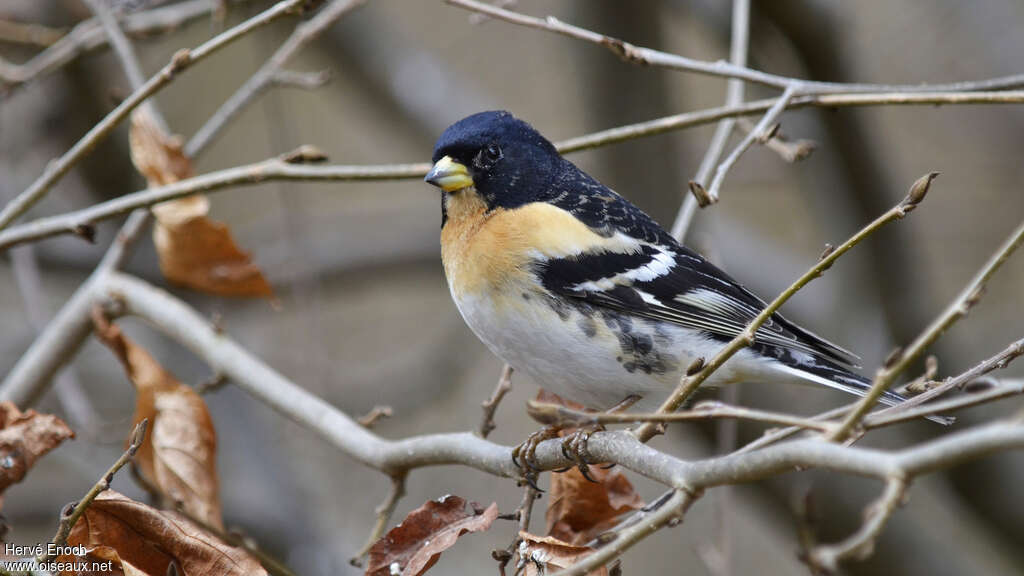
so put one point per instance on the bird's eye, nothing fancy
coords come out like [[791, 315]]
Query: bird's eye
[[492, 152]]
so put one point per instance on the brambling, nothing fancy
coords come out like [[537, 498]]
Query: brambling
[[573, 285]]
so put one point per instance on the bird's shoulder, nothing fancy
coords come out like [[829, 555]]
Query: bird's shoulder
[[602, 209]]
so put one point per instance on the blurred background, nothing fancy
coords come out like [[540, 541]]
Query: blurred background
[[365, 317]]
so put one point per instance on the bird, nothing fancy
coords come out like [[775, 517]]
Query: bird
[[570, 283]]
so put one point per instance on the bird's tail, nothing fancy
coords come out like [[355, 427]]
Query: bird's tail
[[833, 376]]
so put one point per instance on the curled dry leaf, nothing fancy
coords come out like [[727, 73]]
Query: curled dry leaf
[[144, 540], [545, 555], [412, 547], [179, 455], [24, 437], [195, 251], [579, 510]]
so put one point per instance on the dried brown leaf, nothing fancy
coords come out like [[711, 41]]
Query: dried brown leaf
[[24, 438], [579, 510], [144, 540], [412, 547], [544, 555], [179, 455], [195, 251]]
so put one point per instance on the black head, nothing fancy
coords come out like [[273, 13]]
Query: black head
[[503, 158]]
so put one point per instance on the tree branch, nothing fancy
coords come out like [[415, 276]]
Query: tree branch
[[647, 56], [182, 60], [70, 516], [690, 382], [734, 93], [490, 406], [184, 325], [861, 543], [281, 168], [270, 71], [956, 310], [762, 132], [89, 35]]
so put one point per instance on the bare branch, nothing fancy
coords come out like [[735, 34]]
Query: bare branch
[[491, 404], [304, 80], [647, 56], [761, 132], [125, 53], [689, 383], [997, 362], [668, 513], [956, 310], [734, 93], [375, 415], [563, 416], [192, 330], [789, 150], [688, 119], [182, 60], [69, 516], [270, 71], [28, 33], [89, 35], [383, 512], [266, 171], [63, 336], [861, 543]]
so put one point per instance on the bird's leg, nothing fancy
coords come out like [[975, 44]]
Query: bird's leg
[[574, 446], [524, 456]]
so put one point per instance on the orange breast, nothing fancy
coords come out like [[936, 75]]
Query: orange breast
[[494, 250]]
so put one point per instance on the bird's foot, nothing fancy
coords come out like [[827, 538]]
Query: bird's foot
[[574, 447], [524, 456]]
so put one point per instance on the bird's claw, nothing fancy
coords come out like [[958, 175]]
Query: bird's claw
[[524, 456], [574, 448]]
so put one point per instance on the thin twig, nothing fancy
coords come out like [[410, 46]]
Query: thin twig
[[370, 419], [734, 93], [125, 54], [72, 222], [761, 132], [70, 326], [88, 35], [181, 60], [999, 390], [699, 117], [76, 404], [861, 543], [269, 72], [689, 383], [184, 325], [28, 33], [563, 416], [490, 406], [647, 56], [71, 515], [383, 512], [669, 512], [303, 80], [789, 150], [888, 415], [956, 310], [997, 362], [266, 171], [523, 515]]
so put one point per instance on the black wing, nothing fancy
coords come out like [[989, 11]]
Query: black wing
[[660, 279]]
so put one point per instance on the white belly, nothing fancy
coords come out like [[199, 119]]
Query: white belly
[[594, 357]]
